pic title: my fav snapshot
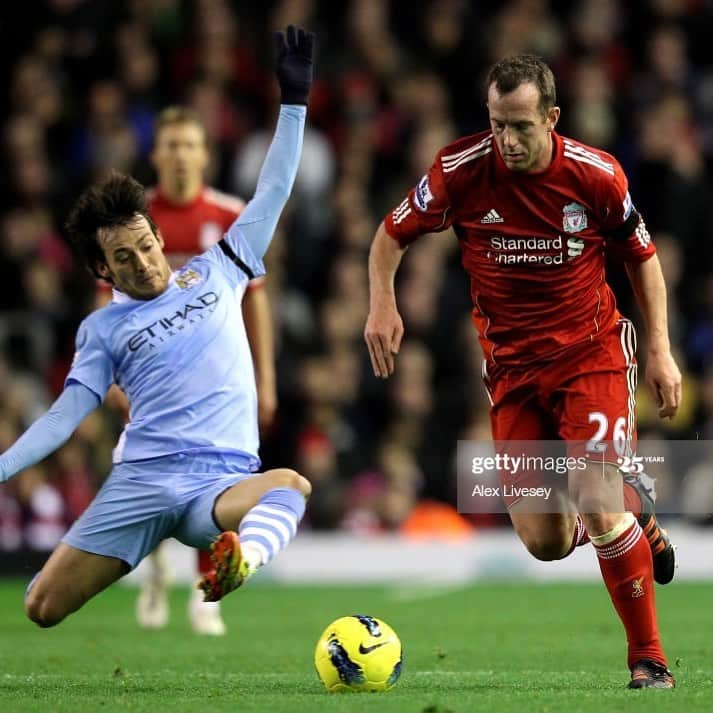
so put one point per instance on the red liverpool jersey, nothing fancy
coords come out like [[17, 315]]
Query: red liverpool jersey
[[191, 228], [533, 243]]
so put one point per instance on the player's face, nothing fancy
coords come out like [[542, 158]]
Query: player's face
[[521, 129], [180, 155], [135, 262]]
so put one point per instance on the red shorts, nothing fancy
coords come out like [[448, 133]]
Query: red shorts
[[586, 397]]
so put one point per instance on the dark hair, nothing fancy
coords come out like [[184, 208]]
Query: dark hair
[[116, 201], [509, 73]]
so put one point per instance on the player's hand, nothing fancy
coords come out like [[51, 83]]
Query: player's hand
[[383, 333], [295, 50], [664, 379]]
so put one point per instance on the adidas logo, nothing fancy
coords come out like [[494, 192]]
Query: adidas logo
[[492, 216]]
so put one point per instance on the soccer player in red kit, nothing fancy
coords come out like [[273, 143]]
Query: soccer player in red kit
[[535, 214], [192, 217]]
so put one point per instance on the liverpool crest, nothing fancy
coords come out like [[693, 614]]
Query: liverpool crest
[[637, 588], [574, 218]]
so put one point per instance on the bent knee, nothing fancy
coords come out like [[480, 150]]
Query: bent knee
[[599, 523], [546, 547], [43, 610], [288, 478]]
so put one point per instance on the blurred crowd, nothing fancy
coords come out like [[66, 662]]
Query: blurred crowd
[[83, 81]]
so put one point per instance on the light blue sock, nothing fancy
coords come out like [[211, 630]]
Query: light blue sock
[[271, 525]]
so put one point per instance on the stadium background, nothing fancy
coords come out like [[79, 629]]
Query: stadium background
[[82, 82]]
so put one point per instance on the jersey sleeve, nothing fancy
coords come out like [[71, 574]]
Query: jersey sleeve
[[235, 259], [50, 431], [426, 209], [93, 365], [623, 226]]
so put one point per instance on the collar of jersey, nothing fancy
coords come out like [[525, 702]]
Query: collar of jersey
[[161, 197], [119, 297]]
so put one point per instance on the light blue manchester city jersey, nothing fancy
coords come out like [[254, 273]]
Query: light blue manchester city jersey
[[182, 359]]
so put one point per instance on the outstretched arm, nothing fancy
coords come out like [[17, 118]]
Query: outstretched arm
[[50, 431], [258, 220], [662, 374], [384, 327]]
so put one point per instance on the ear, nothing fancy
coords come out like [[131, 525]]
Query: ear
[[553, 116], [103, 271]]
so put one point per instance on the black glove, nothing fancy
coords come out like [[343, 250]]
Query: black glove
[[294, 64]]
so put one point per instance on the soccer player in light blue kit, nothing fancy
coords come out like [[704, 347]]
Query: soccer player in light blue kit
[[185, 465]]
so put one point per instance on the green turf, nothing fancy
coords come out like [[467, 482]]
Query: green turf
[[509, 647]]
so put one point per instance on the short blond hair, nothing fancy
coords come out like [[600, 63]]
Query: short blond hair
[[176, 114]]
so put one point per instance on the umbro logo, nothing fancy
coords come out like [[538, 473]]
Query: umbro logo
[[492, 216]]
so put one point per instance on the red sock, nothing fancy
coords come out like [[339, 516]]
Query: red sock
[[580, 536], [627, 570], [205, 564]]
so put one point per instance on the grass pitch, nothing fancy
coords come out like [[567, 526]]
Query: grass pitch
[[491, 647]]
